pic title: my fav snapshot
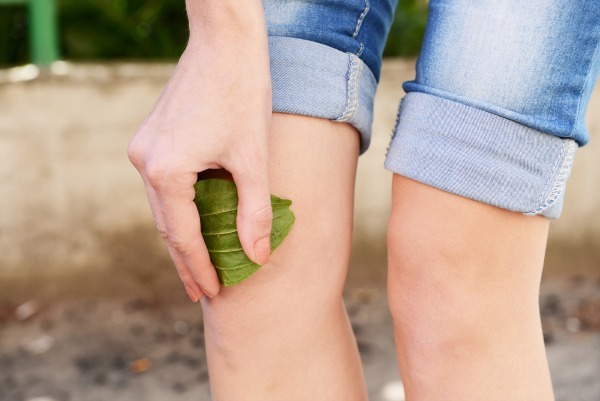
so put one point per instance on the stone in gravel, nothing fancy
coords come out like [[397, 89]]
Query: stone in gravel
[[118, 363], [202, 376], [393, 391], [356, 328], [363, 347], [181, 327], [589, 314], [551, 306], [85, 364], [141, 365], [100, 379], [174, 357], [573, 324], [197, 341], [179, 387], [27, 309], [40, 345], [192, 362]]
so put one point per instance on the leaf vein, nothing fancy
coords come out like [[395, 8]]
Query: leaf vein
[[219, 212]]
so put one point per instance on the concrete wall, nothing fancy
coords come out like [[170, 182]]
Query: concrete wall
[[70, 201]]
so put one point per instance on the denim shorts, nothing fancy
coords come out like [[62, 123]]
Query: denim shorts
[[496, 110]]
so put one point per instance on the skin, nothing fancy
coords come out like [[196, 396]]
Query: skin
[[463, 276], [283, 334], [463, 289], [190, 129]]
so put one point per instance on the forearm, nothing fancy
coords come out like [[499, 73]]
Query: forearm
[[226, 20]]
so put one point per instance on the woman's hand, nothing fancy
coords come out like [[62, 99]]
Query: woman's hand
[[213, 113]]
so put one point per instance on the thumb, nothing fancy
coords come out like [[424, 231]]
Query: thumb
[[255, 215]]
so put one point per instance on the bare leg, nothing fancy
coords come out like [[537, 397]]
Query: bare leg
[[283, 334], [463, 289]]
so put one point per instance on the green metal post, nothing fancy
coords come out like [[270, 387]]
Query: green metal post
[[43, 32]]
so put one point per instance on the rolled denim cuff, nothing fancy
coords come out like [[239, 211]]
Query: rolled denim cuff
[[480, 155], [316, 80]]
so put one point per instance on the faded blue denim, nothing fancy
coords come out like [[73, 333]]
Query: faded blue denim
[[496, 110]]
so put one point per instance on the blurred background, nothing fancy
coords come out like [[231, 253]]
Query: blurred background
[[90, 306]]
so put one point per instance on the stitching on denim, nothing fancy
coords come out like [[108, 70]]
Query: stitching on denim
[[553, 172], [360, 19], [360, 49], [351, 88], [395, 129], [359, 25], [561, 178]]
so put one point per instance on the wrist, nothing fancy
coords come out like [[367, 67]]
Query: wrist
[[226, 19]]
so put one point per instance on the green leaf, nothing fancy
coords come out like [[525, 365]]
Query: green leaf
[[217, 202]]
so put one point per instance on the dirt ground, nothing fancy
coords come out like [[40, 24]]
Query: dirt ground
[[152, 348]]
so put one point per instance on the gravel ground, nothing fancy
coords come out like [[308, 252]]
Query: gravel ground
[[153, 350]]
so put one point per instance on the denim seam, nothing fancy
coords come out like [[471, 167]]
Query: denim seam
[[567, 156], [352, 88], [588, 80], [358, 26], [360, 19], [551, 175], [360, 49], [395, 129]]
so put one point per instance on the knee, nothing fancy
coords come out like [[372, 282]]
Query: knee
[[434, 297]]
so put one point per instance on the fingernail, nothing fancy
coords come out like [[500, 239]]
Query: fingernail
[[262, 250], [192, 294], [207, 293]]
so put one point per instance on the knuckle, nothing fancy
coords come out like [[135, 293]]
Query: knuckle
[[178, 245], [158, 173], [135, 152], [263, 217], [181, 247], [163, 233], [250, 160]]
